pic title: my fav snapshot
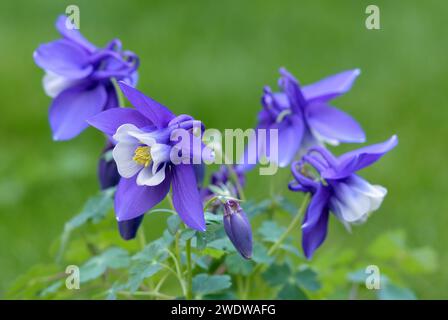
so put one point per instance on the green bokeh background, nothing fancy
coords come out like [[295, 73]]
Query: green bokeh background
[[211, 59]]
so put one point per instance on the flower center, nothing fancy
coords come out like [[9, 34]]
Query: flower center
[[142, 156]]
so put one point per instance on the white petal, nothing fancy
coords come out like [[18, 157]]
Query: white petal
[[125, 133], [54, 84], [159, 153], [144, 137], [123, 154], [355, 198], [147, 178]]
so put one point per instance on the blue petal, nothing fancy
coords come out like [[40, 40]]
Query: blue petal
[[186, 197]]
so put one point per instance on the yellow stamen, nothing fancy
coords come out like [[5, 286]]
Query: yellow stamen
[[142, 156]]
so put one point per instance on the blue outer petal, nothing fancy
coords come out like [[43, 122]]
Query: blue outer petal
[[315, 223], [154, 111], [333, 124], [292, 89], [290, 134], [186, 197], [331, 87], [73, 34], [71, 108], [355, 160], [63, 58], [132, 200], [110, 120]]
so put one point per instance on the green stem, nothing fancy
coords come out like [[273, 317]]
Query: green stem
[[235, 179], [295, 222], [119, 93], [189, 270], [142, 237]]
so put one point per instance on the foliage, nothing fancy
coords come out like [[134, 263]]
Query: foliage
[[111, 270]]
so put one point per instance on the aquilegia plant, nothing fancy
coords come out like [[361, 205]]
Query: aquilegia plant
[[208, 248]]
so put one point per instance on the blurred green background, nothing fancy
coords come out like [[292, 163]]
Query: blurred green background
[[211, 59]]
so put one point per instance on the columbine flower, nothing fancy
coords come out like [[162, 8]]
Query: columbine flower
[[78, 78], [337, 188], [142, 154], [238, 228], [304, 117]]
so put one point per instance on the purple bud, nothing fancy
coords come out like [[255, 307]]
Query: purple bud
[[128, 228], [107, 170], [238, 228]]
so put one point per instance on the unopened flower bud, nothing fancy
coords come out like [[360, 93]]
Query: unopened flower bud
[[238, 228]]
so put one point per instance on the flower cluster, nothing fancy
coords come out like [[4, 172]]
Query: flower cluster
[[85, 82]]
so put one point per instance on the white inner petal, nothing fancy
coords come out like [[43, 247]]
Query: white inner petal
[[146, 177], [159, 153], [54, 84], [123, 154], [355, 198]]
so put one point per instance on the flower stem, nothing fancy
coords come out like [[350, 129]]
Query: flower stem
[[119, 93], [294, 224], [235, 179], [189, 270]]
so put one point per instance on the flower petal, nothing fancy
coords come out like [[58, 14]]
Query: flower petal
[[331, 87], [123, 154], [128, 228], [73, 34], [70, 109], [132, 200], [358, 159], [315, 223], [54, 84], [186, 198], [147, 177], [333, 125], [110, 120], [63, 58], [290, 133], [354, 198], [154, 111], [293, 91]]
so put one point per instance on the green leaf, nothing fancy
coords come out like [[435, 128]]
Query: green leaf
[[147, 262], [213, 218], [260, 254], [291, 292], [238, 265], [94, 210], [253, 209], [390, 291], [185, 235], [173, 223], [292, 249], [206, 284], [307, 279], [358, 276], [277, 274], [53, 288], [113, 258], [201, 240], [140, 271], [34, 281], [270, 231], [222, 244]]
